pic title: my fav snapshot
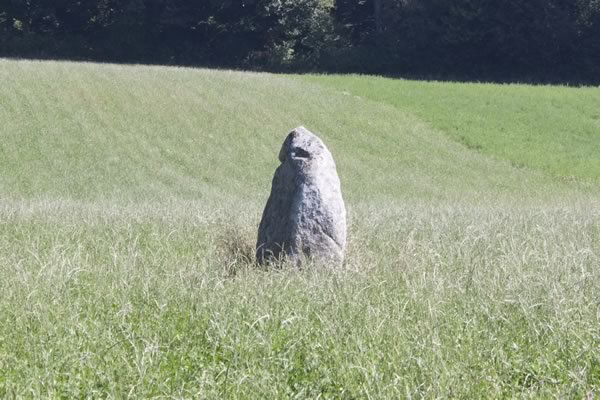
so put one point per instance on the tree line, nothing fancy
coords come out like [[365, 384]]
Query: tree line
[[535, 40]]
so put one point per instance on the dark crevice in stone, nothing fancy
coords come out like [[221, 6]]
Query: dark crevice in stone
[[300, 153]]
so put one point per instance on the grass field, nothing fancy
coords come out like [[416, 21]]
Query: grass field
[[549, 128], [130, 198]]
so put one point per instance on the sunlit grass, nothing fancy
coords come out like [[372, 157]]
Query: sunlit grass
[[130, 198], [550, 128]]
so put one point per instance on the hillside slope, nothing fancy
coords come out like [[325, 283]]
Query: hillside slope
[[552, 129], [87, 131], [129, 203]]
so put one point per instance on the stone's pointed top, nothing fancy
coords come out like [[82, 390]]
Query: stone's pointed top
[[300, 130], [301, 143]]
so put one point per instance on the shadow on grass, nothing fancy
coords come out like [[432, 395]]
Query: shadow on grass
[[503, 77], [235, 250]]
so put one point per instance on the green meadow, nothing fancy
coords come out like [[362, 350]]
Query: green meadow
[[549, 128], [130, 198]]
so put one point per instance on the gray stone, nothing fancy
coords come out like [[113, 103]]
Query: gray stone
[[305, 215]]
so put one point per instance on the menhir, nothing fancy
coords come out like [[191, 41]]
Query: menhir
[[305, 216]]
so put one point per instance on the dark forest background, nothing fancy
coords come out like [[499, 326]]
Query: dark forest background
[[506, 40]]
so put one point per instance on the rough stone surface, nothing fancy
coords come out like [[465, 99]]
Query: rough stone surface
[[305, 215]]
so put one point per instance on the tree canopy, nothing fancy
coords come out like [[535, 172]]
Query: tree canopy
[[461, 39]]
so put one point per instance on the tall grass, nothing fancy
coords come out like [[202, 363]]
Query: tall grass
[[130, 199], [447, 302]]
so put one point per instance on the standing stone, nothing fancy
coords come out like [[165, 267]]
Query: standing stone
[[305, 215]]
